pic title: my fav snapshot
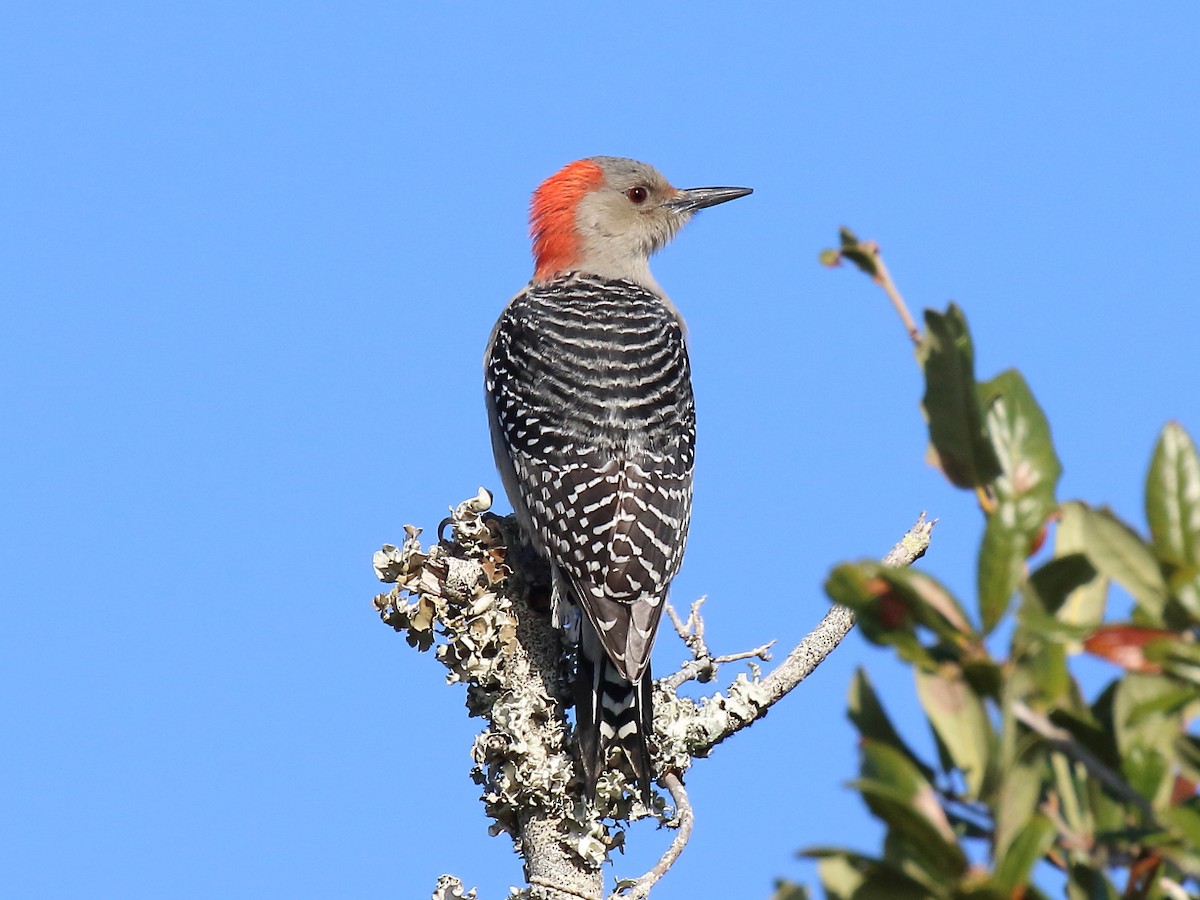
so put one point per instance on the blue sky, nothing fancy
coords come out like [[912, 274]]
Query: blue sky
[[251, 256]]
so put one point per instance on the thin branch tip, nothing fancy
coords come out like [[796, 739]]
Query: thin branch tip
[[640, 889], [757, 697]]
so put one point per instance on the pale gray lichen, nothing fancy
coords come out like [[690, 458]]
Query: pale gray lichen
[[463, 595], [468, 596], [471, 595], [688, 729], [450, 888], [675, 729]]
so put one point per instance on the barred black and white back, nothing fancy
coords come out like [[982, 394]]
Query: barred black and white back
[[593, 427]]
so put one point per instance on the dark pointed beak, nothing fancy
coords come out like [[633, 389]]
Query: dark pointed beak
[[692, 199]]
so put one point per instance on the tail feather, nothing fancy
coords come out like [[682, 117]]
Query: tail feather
[[611, 711]]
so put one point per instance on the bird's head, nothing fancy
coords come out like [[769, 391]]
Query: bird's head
[[607, 216]]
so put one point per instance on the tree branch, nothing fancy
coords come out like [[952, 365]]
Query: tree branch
[[1064, 742], [719, 717], [703, 665], [640, 889], [474, 595], [469, 593]]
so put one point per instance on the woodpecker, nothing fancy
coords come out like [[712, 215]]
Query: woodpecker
[[593, 426]]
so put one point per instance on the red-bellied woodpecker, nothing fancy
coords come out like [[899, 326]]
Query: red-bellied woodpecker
[[589, 396]]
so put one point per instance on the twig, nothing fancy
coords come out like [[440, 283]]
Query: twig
[[640, 889], [1067, 838], [703, 666], [806, 656], [867, 256], [1061, 740], [883, 278], [811, 651], [690, 632]]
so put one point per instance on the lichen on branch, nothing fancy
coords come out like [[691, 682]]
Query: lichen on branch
[[477, 597]]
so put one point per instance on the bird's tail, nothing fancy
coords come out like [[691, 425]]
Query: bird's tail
[[611, 711]]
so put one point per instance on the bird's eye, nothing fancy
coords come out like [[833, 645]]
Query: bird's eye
[[637, 194]]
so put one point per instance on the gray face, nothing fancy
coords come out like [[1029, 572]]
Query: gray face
[[630, 217]]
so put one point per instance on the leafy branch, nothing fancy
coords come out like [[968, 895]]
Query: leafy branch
[[1031, 776]]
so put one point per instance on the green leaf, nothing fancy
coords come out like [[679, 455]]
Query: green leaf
[[882, 617], [1084, 605], [1178, 657], [1145, 768], [1040, 674], [1035, 623], [901, 852], [1173, 511], [1018, 793], [1187, 754], [1119, 553], [892, 603], [788, 890], [1166, 700], [1099, 734], [1024, 489], [1090, 883], [1086, 730], [861, 256], [936, 607], [846, 875], [1001, 566], [1173, 497], [1185, 821], [871, 720], [1039, 645], [1147, 709], [985, 675], [959, 443], [1028, 847], [896, 792], [960, 720], [1053, 582], [1183, 583], [1147, 720], [1020, 436]]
